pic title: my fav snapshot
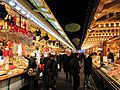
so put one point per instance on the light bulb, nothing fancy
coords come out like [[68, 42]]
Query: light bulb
[[31, 18], [12, 3], [18, 8], [99, 25], [104, 25], [28, 15], [109, 25], [114, 25], [95, 18], [23, 12]]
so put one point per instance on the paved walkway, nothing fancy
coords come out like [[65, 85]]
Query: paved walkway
[[63, 85]]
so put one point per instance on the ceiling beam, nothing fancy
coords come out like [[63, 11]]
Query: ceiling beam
[[107, 22], [111, 10], [110, 16], [109, 5], [105, 28]]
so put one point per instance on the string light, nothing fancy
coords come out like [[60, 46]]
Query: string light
[[119, 24], [99, 25], [109, 25], [114, 25], [95, 18], [104, 25]]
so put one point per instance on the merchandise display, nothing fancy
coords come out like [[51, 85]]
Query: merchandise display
[[111, 71]]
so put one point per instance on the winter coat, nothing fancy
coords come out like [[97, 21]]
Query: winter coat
[[88, 65], [66, 63], [75, 67], [51, 68]]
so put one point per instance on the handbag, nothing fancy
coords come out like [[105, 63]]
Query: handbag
[[32, 72]]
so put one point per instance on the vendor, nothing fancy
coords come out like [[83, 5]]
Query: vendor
[[110, 55]]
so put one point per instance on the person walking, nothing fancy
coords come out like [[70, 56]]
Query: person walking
[[75, 71], [88, 69], [45, 74], [52, 71], [66, 67], [31, 67]]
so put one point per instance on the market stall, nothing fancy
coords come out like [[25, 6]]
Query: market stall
[[103, 37], [19, 37], [14, 38]]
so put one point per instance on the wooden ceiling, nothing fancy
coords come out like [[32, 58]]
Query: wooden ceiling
[[105, 25]]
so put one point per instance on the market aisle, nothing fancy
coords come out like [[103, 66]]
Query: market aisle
[[63, 85]]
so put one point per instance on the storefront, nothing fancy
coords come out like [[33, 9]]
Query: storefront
[[19, 37], [103, 37]]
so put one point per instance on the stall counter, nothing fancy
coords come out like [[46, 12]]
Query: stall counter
[[13, 81], [106, 82]]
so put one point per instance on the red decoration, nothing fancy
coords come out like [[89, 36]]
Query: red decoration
[[15, 20], [24, 25], [23, 49], [9, 44], [5, 53], [15, 28], [46, 49], [11, 27]]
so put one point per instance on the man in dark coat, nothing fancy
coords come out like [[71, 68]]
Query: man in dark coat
[[66, 67], [32, 65], [75, 71], [45, 74], [88, 68], [52, 71]]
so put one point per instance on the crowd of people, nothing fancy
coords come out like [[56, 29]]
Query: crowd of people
[[50, 65]]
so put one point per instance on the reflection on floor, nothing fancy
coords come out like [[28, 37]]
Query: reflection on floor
[[63, 85]]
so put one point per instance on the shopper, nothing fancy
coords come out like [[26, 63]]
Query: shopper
[[66, 67], [75, 71], [31, 67], [45, 74], [52, 71], [88, 69]]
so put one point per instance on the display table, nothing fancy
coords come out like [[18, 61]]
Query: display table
[[14, 81], [103, 80]]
